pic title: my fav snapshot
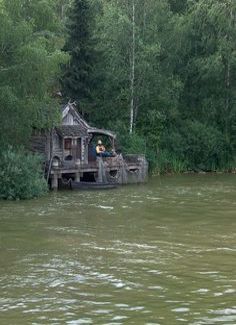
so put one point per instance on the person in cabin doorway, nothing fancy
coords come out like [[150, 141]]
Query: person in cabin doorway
[[101, 150]]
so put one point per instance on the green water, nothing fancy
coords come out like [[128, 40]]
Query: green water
[[160, 253]]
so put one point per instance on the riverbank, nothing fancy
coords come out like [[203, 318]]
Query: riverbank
[[192, 172]]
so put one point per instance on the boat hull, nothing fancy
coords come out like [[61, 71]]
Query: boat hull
[[91, 186]]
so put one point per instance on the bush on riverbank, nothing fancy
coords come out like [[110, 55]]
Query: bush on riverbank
[[20, 175], [195, 147]]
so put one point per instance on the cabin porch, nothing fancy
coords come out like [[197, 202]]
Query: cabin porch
[[118, 170]]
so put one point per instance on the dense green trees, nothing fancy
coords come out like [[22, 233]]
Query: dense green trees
[[76, 80], [166, 74], [206, 69], [134, 84], [159, 73], [30, 58], [133, 73]]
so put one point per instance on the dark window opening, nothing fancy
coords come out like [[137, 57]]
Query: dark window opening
[[88, 177], [134, 170], [113, 173], [68, 144], [68, 158]]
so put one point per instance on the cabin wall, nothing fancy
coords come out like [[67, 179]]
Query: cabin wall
[[40, 144], [57, 144], [84, 150], [75, 150], [68, 119], [69, 151]]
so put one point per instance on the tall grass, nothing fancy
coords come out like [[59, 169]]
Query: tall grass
[[169, 163]]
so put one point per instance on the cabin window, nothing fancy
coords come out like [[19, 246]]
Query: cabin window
[[68, 144], [69, 158]]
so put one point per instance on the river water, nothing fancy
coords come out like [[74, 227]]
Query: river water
[[159, 253]]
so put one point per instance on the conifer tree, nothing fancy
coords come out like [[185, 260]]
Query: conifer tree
[[76, 78]]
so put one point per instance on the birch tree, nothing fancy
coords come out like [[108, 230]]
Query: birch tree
[[131, 44]]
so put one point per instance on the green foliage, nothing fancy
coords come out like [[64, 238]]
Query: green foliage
[[178, 6], [30, 59], [184, 80], [168, 162], [20, 175], [155, 88], [76, 79], [29, 67], [132, 143], [206, 148], [173, 62], [198, 146], [207, 64], [14, 119]]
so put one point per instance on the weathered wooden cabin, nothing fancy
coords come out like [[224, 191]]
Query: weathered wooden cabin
[[69, 153]]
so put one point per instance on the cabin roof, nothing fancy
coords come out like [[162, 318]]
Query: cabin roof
[[83, 126], [71, 108], [71, 131]]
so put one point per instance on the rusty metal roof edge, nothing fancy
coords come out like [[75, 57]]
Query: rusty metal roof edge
[[102, 131]]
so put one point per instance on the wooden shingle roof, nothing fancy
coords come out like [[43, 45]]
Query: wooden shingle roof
[[71, 131]]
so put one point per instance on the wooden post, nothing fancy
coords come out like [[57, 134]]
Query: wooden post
[[55, 182], [77, 177]]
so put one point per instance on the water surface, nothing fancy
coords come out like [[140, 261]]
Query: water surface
[[159, 253]]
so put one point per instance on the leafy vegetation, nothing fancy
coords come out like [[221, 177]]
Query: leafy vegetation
[[161, 73], [21, 175], [30, 59], [76, 79], [166, 74]]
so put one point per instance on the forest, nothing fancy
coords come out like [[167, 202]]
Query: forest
[[160, 73]]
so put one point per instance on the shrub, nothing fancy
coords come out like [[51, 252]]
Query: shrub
[[20, 175], [132, 143], [206, 147], [195, 146], [167, 162]]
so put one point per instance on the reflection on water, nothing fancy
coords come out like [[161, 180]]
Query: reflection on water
[[160, 253]]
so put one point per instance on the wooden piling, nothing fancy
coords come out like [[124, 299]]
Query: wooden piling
[[77, 177], [54, 182]]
